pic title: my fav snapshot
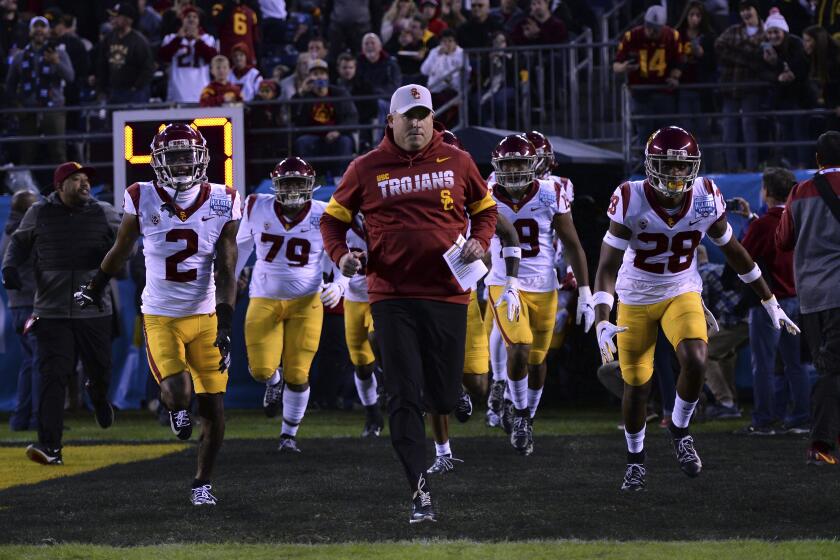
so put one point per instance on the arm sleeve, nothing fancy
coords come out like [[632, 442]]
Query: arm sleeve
[[244, 242], [170, 45], [619, 204], [786, 231], [13, 76], [20, 245], [209, 98], [129, 206], [336, 220], [65, 66], [205, 48], [623, 46], [480, 206]]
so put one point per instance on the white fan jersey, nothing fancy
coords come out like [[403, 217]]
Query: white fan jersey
[[189, 72], [659, 262], [532, 217], [357, 288], [248, 83], [288, 252], [179, 245]]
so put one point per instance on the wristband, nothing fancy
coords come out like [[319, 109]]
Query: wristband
[[751, 276], [515, 252], [723, 239], [603, 298], [616, 242], [512, 282], [224, 315]]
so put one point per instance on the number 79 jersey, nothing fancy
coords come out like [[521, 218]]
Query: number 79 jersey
[[659, 262], [179, 245]]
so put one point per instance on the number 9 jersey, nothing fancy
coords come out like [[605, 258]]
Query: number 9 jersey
[[659, 262], [179, 245]]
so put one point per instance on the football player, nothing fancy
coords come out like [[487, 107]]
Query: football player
[[538, 211], [476, 353], [187, 316], [287, 294], [656, 225]]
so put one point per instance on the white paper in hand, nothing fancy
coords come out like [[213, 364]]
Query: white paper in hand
[[467, 274]]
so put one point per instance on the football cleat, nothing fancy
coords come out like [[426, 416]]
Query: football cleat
[[421, 504], [443, 464], [201, 496], [496, 397], [180, 423], [689, 460], [634, 477], [492, 419], [506, 418], [44, 455], [521, 438], [817, 456], [374, 423], [273, 398], [288, 444], [464, 407]]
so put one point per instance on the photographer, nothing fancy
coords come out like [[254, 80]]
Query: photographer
[[36, 78], [189, 52]]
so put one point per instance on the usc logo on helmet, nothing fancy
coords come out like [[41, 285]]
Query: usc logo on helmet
[[446, 199]]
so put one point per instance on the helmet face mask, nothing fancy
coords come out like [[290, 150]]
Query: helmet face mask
[[514, 161], [179, 157], [672, 161], [293, 192], [545, 153]]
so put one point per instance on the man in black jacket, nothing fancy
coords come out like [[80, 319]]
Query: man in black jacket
[[125, 63], [67, 235]]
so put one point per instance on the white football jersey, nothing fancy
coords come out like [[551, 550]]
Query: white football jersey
[[179, 245], [564, 185], [288, 252], [532, 217], [357, 288], [188, 72], [659, 262]]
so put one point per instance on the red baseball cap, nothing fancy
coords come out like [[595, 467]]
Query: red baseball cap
[[66, 169]]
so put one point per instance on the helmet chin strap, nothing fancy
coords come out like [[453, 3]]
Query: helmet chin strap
[[184, 197]]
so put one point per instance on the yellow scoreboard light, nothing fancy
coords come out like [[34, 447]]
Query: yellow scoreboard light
[[222, 127]]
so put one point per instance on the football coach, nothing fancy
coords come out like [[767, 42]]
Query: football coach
[[417, 194]]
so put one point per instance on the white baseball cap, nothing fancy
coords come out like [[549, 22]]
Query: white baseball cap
[[656, 16], [410, 96]]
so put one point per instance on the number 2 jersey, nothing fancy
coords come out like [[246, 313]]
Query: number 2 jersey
[[179, 245], [532, 217], [659, 262], [288, 251]]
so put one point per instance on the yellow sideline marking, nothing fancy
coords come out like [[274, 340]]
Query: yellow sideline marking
[[17, 470]]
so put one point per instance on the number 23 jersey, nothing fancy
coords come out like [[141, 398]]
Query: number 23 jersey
[[659, 262], [179, 245]]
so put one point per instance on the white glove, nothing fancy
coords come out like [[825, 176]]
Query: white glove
[[606, 331], [585, 308], [332, 293], [711, 323], [510, 296], [778, 316]]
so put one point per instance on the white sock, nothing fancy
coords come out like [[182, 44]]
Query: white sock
[[682, 412], [534, 396], [294, 405], [276, 377], [366, 389], [498, 355], [442, 448], [635, 442], [519, 393], [728, 403]]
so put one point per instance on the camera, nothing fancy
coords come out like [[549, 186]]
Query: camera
[[733, 205]]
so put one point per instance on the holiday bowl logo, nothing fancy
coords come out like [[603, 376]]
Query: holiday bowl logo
[[220, 204]]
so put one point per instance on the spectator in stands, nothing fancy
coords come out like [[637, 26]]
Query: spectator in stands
[[349, 79], [397, 18], [576, 14], [292, 84], [243, 74], [733, 333], [452, 13], [324, 113], [650, 56], [14, 30], [236, 23], [25, 414], [149, 23], [125, 65], [273, 16], [380, 70], [64, 32], [171, 18], [36, 78], [445, 68], [429, 12], [540, 27], [765, 340], [509, 13], [188, 53], [263, 146], [220, 91], [786, 68], [810, 226], [317, 48], [739, 55], [346, 22], [480, 28], [495, 97], [824, 56], [409, 52], [697, 41]]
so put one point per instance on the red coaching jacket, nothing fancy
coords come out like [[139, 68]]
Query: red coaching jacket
[[415, 205]]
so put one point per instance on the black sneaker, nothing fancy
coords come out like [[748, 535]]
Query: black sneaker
[[421, 504], [753, 430], [496, 397], [272, 398], [44, 455], [443, 464], [521, 437], [689, 460], [288, 444], [201, 496], [181, 424], [464, 407], [506, 418], [795, 429], [374, 423], [634, 477]]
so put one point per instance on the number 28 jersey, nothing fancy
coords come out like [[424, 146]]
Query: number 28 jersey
[[179, 245], [659, 262]]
